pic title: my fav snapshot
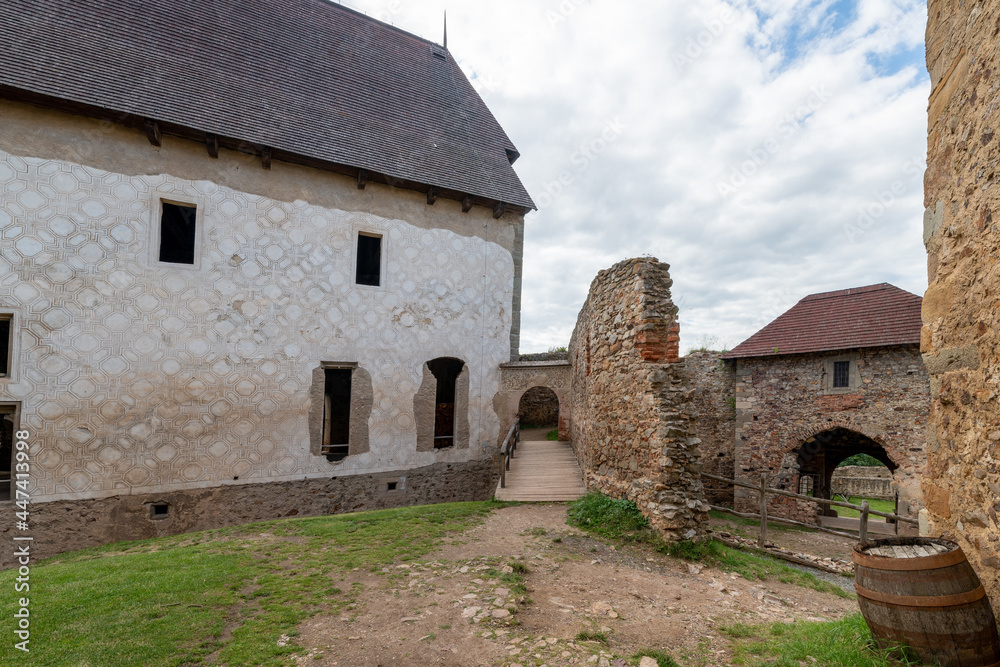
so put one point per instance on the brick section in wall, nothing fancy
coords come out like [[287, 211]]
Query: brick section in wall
[[961, 335], [631, 427]]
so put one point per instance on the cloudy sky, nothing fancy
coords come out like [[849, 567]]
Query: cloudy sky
[[765, 149]]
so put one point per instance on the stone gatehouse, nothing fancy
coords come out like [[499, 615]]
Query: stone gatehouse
[[838, 374]]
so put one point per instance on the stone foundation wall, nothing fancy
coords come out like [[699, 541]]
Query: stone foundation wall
[[713, 405], [961, 335], [67, 525], [539, 406], [631, 428]]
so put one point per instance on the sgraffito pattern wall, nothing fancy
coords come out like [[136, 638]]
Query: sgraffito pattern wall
[[631, 428], [961, 335], [136, 377]]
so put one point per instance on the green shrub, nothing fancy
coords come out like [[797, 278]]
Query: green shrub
[[611, 517], [862, 460]]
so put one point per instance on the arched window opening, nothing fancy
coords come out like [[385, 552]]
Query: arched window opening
[[446, 372]]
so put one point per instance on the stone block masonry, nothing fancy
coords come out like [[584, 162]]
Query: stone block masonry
[[789, 420], [714, 405], [961, 309], [632, 429], [863, 482]]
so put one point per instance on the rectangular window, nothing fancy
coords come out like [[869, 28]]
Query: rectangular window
[[7, 428], [5, 345], [177, 233], [369, 267], [337, 413], [841, 374]]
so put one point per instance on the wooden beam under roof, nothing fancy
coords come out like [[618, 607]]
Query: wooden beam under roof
[[212, 144], [153, 132]]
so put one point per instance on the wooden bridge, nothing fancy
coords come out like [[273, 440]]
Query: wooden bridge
[[540, 471]]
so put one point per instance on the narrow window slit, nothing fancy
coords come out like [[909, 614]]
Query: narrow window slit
[[337, 413], [369, 268], [446, 373], [177, 233], [841, 374], [5, 360]]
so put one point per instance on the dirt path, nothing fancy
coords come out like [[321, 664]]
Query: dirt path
[[454, 608]]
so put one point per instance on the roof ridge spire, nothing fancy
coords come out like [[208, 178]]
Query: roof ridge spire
[[446, 30]]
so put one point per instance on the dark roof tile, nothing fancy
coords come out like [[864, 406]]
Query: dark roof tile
[[307, 77], [872, 316]]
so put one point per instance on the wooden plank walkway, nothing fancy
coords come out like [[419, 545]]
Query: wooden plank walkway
[[543, 471]]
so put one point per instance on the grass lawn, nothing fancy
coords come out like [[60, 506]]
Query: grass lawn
[[844, 643], [880, 505], [230, 593], [622, 521]]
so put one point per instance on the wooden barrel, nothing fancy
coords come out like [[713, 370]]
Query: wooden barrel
[[923, 593]]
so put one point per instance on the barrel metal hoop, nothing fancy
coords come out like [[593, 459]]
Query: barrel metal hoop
[[935, 562], [922, 600]]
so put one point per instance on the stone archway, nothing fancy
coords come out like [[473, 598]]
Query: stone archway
[[539, 406], [517, 378], [820, 454]]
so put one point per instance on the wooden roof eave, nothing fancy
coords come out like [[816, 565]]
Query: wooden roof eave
[[155, 129]]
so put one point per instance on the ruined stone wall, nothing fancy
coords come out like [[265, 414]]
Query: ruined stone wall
[[135, 377], [781, 402], [632, 429], [961, 335], [863, 482], [714, 410]]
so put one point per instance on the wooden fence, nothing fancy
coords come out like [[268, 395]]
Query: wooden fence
[[764, 491], [507, 450]]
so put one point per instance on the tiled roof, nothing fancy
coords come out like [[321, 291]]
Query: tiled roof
[[872, 316], [307, 77]]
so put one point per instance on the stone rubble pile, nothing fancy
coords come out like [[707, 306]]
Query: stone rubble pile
[[835, 565]]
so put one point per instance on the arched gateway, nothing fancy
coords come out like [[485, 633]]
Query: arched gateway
[[517, 379]]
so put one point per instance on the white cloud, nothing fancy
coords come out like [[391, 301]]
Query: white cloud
[[818, 105]]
